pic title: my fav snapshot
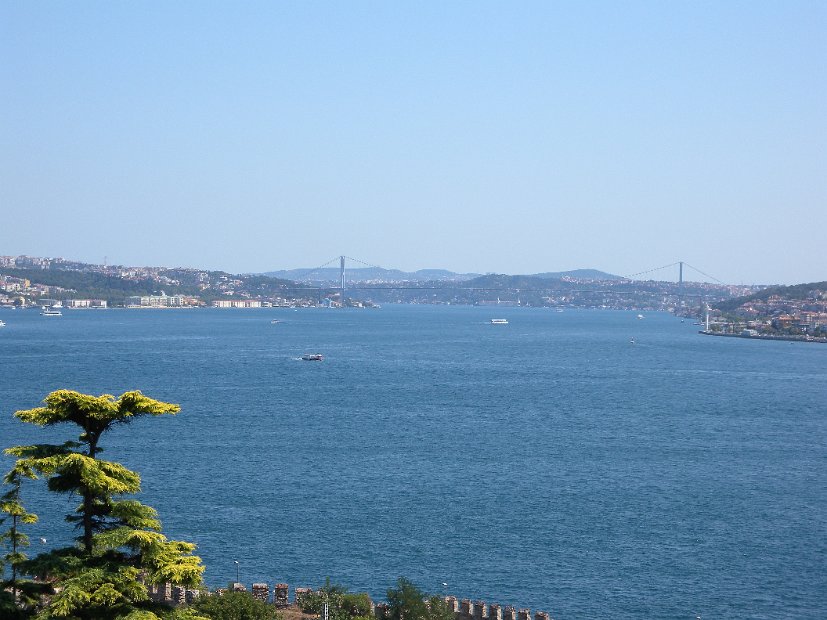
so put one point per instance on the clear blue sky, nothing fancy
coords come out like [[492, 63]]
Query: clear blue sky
[[511, 137]]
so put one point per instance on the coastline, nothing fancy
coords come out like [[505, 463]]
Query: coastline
[[765, 337]]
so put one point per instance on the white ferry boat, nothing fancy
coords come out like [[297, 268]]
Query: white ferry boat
[[51, 311], [499, 321]]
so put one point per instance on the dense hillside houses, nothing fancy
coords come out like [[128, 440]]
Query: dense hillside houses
[[799, 310], [25, 280]]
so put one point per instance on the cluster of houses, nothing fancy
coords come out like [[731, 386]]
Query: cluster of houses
[[781, 315]]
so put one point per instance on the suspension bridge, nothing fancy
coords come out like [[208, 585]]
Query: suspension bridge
[[341, 285]]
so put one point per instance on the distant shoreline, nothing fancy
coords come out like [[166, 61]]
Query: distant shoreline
[[766, 337]]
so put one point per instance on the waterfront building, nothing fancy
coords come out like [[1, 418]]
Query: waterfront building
[[236, 303], [85, 303], [159, 301]]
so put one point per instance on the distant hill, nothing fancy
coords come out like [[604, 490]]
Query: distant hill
[[794, 292], [537, 282], [578, 274], [330, 275], [370, 274]]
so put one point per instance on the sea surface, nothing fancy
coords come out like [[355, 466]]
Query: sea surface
[[550, 463]]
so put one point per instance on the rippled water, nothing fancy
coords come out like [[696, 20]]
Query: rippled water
[[549, 463]]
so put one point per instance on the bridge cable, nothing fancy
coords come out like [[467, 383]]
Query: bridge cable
[[706, 275], [319, 268], [361, 262], [641, 273]]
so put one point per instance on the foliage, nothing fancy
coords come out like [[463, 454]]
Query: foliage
[[438, 609], [19, 594], [342, 605], [408, 602], [794, 292], [120, 544], [234, 606]]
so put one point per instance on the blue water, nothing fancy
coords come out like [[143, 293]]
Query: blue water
[[549, 463]]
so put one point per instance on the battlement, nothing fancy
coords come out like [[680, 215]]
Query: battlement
[[463, 609]]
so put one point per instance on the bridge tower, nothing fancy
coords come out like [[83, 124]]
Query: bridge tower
[[342, 277], [680, 285]]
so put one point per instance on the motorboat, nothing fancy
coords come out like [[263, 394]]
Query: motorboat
[[499, 321], [312, 357]]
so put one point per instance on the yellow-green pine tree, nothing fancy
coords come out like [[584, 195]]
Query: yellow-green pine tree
[[120, 546]]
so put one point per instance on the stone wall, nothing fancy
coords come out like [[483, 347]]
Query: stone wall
[[464, 609]]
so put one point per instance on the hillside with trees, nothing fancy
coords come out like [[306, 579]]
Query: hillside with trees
[[795, 292]]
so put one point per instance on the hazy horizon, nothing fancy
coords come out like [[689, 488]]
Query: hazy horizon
[[474, 137]]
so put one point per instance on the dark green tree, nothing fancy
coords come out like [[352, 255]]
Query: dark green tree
[[341, 604], [120, 545], [234, 606], [15, 596], [438, 609], [408, 602]]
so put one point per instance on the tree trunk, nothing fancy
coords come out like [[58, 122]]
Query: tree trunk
[[88, 500], [14, 552]]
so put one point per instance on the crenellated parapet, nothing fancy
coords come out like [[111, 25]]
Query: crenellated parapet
[[261, 592], [462, 609], [281, 595]]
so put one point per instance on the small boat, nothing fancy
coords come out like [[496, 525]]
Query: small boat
[[499, 321], [640, 316], [51, 312], [2, 323], [312, 357], [275, 321]]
